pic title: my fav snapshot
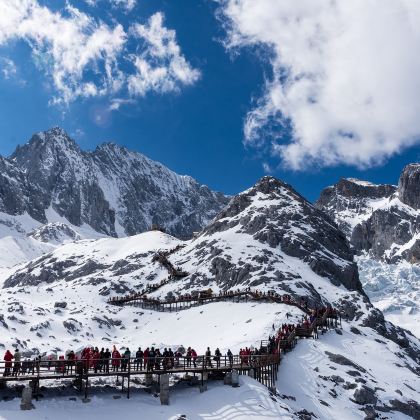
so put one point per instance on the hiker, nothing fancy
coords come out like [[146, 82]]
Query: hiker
[[16, 368], [8, 357], [116, 359], [139, 359], [208, 358]]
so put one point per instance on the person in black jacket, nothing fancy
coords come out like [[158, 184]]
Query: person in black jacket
[[208, 358], [139, 359], [107, 356], [217, 356]]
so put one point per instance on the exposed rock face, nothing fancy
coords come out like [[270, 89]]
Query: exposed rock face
[[409, 186], [349, 198], [280, 223], [382, 220], [113, 190], [55, 233]]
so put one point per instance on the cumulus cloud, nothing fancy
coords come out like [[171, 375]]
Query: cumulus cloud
[[344, 77], [84, 57], [160, 66]]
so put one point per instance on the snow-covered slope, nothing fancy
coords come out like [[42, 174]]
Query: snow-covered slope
[[114, 191], [382, 222], [267, 238]]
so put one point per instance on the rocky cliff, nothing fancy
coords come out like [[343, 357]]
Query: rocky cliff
[[111, 189], [382, 220]]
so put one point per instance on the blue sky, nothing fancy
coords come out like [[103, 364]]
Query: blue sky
[[216, 119]]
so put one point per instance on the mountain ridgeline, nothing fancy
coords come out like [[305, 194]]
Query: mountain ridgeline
[[381, 220], [111, 189]]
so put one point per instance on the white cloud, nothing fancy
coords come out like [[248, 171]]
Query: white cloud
[[160, 66], [128, 5], [345, 77], [7, 68], [66, 47], [84, 57]]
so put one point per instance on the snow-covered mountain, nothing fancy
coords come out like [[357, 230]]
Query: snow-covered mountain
[[382, 220], [382, 223], [112, 190], [267, 238]]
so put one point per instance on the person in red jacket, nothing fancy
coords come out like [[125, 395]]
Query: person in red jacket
[[116, 359], [8, 357], [194, 357]]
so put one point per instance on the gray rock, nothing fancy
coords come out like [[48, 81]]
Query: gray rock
[[365, 395], [409, 185], [62, 305], [410, 408]]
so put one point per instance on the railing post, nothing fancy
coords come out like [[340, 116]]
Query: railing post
[[128, 378]]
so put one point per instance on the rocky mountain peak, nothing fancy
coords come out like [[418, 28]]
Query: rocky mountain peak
[[409, 185], [279, 218], [115, 191]]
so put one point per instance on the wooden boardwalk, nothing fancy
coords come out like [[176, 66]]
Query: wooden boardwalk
[[262, 367]]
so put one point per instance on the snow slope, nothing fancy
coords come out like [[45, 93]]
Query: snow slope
[[250, 401], [267, 238]]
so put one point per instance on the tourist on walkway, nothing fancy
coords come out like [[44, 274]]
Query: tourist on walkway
[[208, 358], [8, 357], [217, 356], [139, 359], [16, 368], [116, 359]]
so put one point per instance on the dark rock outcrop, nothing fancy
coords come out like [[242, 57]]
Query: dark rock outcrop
[[409, 185]]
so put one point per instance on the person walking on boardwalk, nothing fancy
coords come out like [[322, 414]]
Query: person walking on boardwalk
[[101, 359], [208, 358], [217, 356], [8, 357], [16, 367], [116, 359], [139, 359]]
